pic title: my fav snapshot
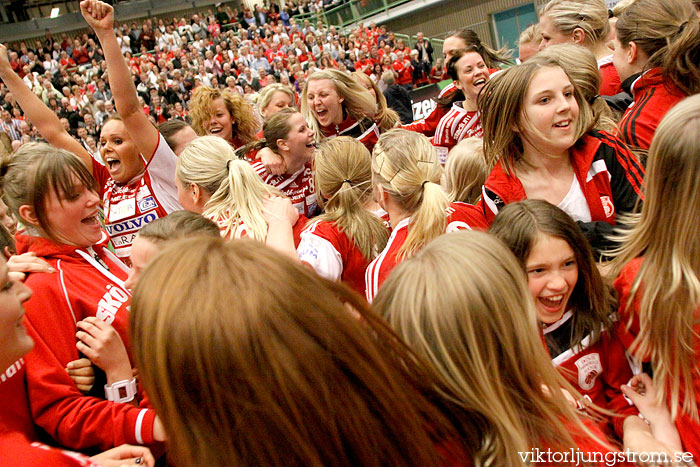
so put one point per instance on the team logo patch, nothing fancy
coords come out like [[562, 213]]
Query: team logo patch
[[147, 204], [589, 367], [608, 206]]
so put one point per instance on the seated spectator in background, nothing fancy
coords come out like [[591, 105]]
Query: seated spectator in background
[[437, 73], [397, 98]]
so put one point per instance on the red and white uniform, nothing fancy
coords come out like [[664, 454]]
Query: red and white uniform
[[299, 186], [456, 125], [241, 229], [460, 216], [365, 131], [653, 97], [688, 429], [333, 254], [596, 370], [610, 84], [87, 282], [130, 206]]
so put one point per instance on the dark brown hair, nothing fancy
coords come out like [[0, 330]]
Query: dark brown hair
[[169, 129], [492, 58]]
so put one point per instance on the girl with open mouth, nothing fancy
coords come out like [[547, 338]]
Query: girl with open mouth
[[137, 180], [575, 309], [539, 137], [470, 74], [334, 104]]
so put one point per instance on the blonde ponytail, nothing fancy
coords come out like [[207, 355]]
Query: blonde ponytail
[[344, 179], [405, 164], [236, 190]]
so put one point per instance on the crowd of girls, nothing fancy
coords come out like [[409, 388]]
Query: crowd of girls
[[311, 301]]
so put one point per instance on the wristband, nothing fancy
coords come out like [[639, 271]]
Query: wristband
[[121, 391]]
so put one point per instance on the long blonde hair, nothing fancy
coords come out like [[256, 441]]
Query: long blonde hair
[[343, 177], [406, 166], [236, 191], [282, 376], [466, 171], [358, 103], [667, 287], [462, 303]]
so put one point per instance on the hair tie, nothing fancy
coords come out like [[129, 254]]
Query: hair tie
[[682, 26], [422, 185], [611, 14], [347, 181], [592, 99], [228, 164]]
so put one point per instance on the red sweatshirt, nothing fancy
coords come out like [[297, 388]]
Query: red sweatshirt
[[17, 450], [688, 429], [79, 288], [15, 416], [610, 79]]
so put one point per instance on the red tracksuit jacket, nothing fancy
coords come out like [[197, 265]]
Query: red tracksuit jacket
[[333, 254], [608, 172], [79, 288], [653, 97], [429, 124], [365, 131]]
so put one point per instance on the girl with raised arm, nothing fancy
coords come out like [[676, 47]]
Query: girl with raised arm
[[137, 181]]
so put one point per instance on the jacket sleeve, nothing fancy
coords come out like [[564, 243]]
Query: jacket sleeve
[[617, 373], [73, 420], [429, 124], [626, 174]]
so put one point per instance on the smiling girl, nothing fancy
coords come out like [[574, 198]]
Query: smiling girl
[[336, 105], [137, 181], [223, 114], [538, 138], [470, 74], [575, 307], [287, 135], [52, 192]]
